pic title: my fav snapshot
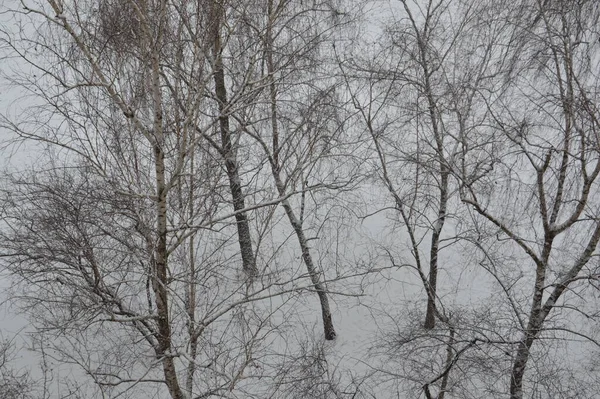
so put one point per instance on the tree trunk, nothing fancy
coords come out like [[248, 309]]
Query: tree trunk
[[519, 365], [434, 252], [231, 165], [160, 279], [328, 327], [425, 64], [159, 282]]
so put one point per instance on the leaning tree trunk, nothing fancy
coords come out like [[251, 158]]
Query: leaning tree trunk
[[314, 274], [229, 154]]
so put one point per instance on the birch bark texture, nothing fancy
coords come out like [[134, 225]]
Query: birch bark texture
[[224, 187]]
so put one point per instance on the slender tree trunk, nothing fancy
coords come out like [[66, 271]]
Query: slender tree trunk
[[449, 362], [425, 64], [159, 282], [328, 326], [441, 214], [231, 165], [314, 274], [191, 290], [160, 279]]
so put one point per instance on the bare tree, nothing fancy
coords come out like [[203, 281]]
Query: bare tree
[[277, 163], [549, 163], [176, 140], [295, 132], [411, 101], [112, 231], [491, 78], [120, 238], [13, 384]]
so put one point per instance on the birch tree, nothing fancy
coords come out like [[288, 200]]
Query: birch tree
[[122, 232], [411, 99], [287, 109], [277, 152], [549, 165], [227, 149], [486, 73]]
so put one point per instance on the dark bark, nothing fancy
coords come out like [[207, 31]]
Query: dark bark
[[328, 327], [232, 167]]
